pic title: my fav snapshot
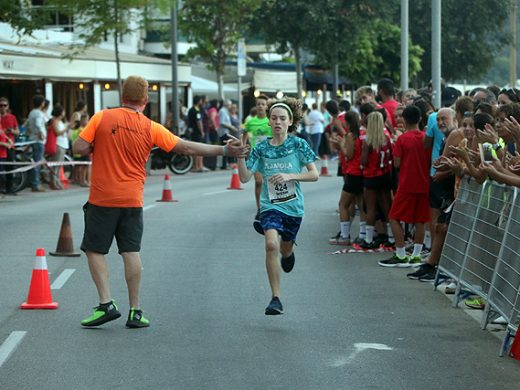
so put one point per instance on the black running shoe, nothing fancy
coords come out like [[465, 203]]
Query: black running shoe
[[423, 270], [275, 307], [288, 263], [380, 239], [388, 245], [102, 314], [359, 240], [136, 319], [429, 277], [369, 245], [395, 261]]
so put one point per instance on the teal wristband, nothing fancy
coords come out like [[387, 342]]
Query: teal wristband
[[225, 151]]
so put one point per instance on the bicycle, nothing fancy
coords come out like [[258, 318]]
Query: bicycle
[[21, 179]]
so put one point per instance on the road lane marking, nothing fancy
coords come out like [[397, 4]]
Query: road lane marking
[[215, 192], [62, 279], [10, 344], [149, 207], [359, 347]]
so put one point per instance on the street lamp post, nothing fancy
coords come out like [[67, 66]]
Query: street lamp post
[[175, 118], [436, 53], [404, 45]]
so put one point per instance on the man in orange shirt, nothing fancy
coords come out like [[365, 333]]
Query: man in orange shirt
[[120, 140]]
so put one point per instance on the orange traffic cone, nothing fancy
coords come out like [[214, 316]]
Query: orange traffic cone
[[65, 248], [235, 180], [325, 166], [64, 181], [40, 296], [515, 347], [167, 191]]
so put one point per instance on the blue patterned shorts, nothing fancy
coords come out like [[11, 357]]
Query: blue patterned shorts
[[286, 225]]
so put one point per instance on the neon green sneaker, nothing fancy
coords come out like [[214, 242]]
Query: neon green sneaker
[[136, 319], [415, 261], [395, 261], [102, 313], [476, 303]]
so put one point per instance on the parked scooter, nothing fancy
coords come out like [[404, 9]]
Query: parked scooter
[[177, 163]]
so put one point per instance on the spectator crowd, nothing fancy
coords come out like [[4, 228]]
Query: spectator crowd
[[402, 162]]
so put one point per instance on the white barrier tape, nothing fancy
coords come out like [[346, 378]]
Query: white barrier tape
[[60, 163], [21, 169], [18, 144], [30, 165], [49, 163], [16, 163]]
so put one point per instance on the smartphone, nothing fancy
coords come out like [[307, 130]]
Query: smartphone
[[486, 153]]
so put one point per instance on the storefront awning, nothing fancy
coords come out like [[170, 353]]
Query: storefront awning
[[47, 62], [272, 81]]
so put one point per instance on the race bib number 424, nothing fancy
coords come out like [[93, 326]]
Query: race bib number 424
[[280, 193]]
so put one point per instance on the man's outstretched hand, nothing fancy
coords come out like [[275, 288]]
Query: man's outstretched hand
[[235, 148]]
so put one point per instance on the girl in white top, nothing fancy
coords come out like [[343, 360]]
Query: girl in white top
[[62, 144]]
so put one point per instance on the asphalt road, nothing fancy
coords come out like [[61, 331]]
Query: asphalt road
[[348, 324]]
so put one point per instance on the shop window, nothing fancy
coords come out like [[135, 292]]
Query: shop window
[[54, 19]]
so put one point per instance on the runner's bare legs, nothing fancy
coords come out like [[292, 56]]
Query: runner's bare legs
[[272, 260], [99, 272], [133, 271]]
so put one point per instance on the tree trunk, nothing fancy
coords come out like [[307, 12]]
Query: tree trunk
[[335, 81], [220, 80], [299, 83]]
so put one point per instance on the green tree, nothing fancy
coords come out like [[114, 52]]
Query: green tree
[[360, 37], [499, 73], [336, 32], [380, 49], [215, 27], [95, 21], [472, 33], [23, 18], [288, 31]]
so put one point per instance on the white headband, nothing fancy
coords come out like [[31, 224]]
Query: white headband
[[280, 104]]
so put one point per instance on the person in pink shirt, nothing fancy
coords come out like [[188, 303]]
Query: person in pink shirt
[[213, 121]]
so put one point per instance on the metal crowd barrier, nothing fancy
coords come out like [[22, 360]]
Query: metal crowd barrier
[[482, 250], [459, 231]]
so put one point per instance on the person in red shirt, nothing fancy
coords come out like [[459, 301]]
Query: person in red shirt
[[411, 203], [350, 146], [376, 159], [385, 90], [10, 126], [5, 144]]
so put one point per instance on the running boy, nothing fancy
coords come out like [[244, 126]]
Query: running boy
[[280, 160], [257, 129], [411, 203]]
